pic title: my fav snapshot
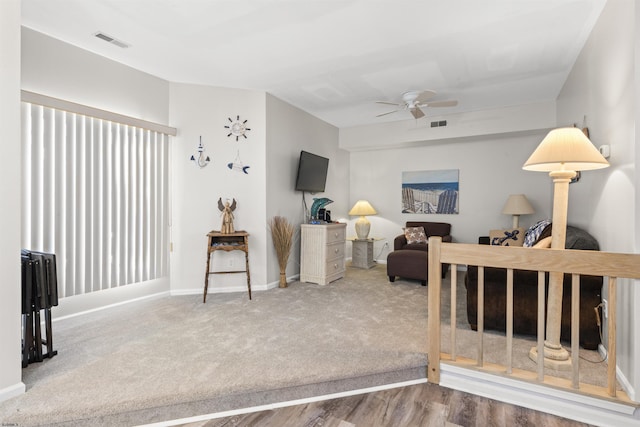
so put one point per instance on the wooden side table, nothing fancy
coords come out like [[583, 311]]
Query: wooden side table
[[238, 241]]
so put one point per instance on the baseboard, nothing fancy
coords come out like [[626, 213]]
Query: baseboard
[[540, 398], [78, 305], [12, 391], [620, 376], [232, 289]]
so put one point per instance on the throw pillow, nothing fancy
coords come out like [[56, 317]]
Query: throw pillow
[[510, 237], [415, 235], [534, 232]]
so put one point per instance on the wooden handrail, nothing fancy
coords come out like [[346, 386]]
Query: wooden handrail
[[574, 262], [594, 263]]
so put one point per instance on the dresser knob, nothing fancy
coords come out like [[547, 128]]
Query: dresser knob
[[336, 250]]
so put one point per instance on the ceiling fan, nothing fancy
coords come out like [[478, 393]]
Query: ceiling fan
[[415, 100]]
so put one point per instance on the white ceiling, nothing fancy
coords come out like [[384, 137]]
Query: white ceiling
[[335, 58]]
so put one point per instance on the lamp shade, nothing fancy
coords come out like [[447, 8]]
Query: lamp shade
[[362, 207], [565, 149], [517, 204]]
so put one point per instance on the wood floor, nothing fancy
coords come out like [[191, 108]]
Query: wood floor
[[416, 405]]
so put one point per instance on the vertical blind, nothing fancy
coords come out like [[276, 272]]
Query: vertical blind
[[95, 193]]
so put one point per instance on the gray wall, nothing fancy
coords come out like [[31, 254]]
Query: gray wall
[[602, 86], [290, 130], [490, 169]]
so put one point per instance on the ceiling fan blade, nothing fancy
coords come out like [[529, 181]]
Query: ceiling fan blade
[[390, 112], [417, 113], [387, 103], [437, 104], [424, 95]]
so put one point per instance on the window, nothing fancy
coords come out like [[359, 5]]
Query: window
[[96, 194]]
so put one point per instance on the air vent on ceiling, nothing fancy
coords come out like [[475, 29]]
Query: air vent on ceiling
[[441, 123], [111, 40]]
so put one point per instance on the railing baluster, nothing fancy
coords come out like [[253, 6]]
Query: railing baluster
[[509, 320], [577, 263], [611, 351], [480, 315], [454, 305], [575, 330], [541, 302], [433, 319]]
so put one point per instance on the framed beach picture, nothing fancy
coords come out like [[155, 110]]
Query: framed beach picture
[[430, 192]]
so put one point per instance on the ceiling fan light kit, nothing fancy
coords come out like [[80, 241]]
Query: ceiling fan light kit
[[414, 101]]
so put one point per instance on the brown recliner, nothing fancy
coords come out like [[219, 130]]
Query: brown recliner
[[410, 261]]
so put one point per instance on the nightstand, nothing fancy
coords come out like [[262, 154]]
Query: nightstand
[[362, 253]]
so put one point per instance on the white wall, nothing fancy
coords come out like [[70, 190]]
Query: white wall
[[55, 68], [601, 87], [204, 111], [490, 168], [290, 130], [10, 363]]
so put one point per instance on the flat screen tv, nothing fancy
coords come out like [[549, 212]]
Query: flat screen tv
[[312, 172]]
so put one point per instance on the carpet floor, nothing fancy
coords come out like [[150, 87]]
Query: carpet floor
[[174, 357]]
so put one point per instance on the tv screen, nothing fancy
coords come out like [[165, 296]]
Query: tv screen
[[312, 172]]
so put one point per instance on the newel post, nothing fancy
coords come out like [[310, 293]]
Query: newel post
[[433, 322]]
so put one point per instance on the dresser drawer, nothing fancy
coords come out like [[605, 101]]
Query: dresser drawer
[[335, 250], [336, 234], [334, 266]]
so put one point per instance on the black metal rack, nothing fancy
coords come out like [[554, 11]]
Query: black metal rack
[[39, 293]]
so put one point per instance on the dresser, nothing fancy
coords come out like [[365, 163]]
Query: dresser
[[322, 255]]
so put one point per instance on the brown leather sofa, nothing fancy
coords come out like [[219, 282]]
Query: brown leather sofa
[[410, 261], [525, 296]]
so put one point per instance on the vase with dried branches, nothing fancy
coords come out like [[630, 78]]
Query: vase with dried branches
[[282, 235]]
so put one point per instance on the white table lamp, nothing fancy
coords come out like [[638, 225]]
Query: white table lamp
[[517, 204], [561, 153], [362, 208]]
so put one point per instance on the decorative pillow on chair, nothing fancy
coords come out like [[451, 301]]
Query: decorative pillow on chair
[[415, 235], [510, 237], [532, 234]]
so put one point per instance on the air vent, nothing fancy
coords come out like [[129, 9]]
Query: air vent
[[111, 40], [439, 124]]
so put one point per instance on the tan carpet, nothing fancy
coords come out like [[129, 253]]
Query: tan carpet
[[175, 357]]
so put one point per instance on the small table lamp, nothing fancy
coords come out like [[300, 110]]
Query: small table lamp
[[562, 153], [517, 204], [362, 208]]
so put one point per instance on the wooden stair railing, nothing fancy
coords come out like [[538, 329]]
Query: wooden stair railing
[[575, 262]]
